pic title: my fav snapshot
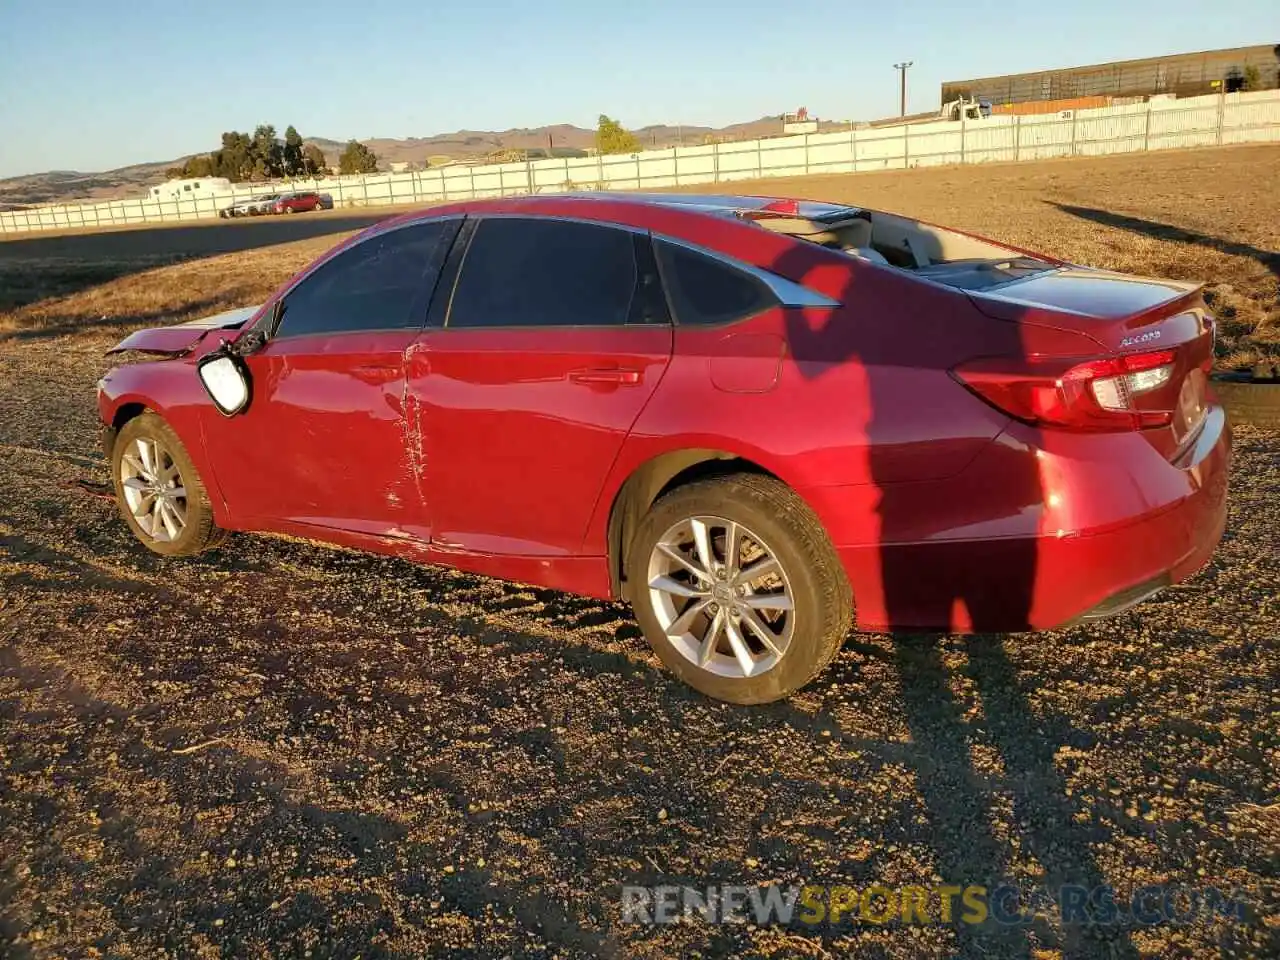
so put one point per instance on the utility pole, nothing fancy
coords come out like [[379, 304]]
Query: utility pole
[[902, 72]]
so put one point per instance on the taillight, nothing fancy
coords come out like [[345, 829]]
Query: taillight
[[1128, 392]]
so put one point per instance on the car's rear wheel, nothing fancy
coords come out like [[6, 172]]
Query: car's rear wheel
[[738, 589], [159, 492]]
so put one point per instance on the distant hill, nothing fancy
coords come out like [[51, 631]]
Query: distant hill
[[64, 185], [69, 185]]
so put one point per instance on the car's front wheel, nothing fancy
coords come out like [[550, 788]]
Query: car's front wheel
[[738, 588], [158, 490]]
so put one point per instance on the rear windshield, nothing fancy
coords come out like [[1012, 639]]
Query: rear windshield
[[943, 256], [981, 274]]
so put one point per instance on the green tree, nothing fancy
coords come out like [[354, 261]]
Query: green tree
[[199, 166], [291, 156], [313, 161], [1252, 77], [257, 157], [357, 158], [267, 152], [612, 137], [234, 160]]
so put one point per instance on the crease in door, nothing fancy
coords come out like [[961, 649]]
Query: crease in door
[[411, 430]]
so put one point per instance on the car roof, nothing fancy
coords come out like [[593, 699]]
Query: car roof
[[723, 205], [697, 206]]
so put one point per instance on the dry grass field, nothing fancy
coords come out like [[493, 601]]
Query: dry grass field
[[1204, 215], [280, 749]]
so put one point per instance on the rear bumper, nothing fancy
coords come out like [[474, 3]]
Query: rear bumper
[[1150, 524]]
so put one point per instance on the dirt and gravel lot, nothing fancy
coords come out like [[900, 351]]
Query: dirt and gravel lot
[[281, 749]]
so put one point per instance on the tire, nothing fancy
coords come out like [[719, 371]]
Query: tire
[[769, 517], [198, 531]]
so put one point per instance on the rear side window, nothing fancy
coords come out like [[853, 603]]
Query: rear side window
[[383, 283], [545, 273], [704, 290]]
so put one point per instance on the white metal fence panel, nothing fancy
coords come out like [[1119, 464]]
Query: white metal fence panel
[[1153, 125]]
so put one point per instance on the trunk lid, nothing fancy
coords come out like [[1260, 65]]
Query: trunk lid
[[1139, 321], [1091, 296], [181, 338]]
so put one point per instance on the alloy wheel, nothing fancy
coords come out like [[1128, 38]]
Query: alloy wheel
[[153, 489], [721, 596]]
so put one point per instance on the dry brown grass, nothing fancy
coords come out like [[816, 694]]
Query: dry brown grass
[[53, 296], [1206, 215]]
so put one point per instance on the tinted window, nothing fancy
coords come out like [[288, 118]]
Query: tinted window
[[706, 290], [523, 273], [380, 284]]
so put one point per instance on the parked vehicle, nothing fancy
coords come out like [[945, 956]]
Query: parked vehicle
[[299, 203], [250, 207], [190, 188], [759, 421], [966, 108]]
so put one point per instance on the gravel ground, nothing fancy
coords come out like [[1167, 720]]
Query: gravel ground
[[281, 749]]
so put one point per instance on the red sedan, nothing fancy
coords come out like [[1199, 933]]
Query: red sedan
[[759, 421], [297, 203]]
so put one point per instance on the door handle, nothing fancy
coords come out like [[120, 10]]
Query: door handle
[[614, 375]]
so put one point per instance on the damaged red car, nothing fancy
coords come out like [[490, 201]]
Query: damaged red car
[[762, 422]]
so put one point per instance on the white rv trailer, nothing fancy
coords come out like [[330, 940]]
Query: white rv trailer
[[194, 188]]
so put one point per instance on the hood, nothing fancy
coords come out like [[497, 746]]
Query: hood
[[181, 338]]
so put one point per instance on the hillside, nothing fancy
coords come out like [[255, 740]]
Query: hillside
[[63, 185], [70, 185]]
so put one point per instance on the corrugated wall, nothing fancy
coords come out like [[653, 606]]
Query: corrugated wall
[[1186, 75]]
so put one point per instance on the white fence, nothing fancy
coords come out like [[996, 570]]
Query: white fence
[[1154, 125]]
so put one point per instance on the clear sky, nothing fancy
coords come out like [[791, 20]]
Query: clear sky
[[94, 84]]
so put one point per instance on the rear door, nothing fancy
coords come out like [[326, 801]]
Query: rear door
[[554, 338]]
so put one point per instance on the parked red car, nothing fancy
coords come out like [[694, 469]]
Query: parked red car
[[760, 421], [300, 203]]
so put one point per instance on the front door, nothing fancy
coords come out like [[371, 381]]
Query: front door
[[325, 441], [555, 338]]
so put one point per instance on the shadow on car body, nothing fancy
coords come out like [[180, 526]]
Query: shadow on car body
[[971, 586]]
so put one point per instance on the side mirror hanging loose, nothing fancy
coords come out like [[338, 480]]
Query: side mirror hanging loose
[[226, 379]]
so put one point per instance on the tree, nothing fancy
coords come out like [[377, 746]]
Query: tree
[[199, 166], [268, 154], [1252, 78], [263, 157], [291, 157], [313, 161], [612, 137], [235, 160], [357, 158]]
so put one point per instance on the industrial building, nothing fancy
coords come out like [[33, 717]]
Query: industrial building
[[1182, 75]]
